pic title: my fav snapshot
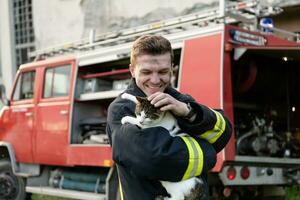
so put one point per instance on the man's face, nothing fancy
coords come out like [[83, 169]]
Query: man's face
[[152, 72]]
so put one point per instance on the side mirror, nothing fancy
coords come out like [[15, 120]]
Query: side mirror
[[3, 97]]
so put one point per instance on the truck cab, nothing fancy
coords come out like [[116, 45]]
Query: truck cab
[[36, 128], [41, 97]]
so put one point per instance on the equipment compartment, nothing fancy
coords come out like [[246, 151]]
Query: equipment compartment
[[267, 103], [96, 86]]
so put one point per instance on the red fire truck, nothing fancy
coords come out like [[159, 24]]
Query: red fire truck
[[52, 126]]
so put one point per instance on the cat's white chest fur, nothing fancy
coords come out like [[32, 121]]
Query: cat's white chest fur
[[167, 120], [179, 190]]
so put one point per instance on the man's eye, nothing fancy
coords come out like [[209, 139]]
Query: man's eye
[[146, 72], [164, 72]]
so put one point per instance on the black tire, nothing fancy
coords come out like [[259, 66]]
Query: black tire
[[11, 187]]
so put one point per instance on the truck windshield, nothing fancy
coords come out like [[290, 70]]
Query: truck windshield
[[25, 86]]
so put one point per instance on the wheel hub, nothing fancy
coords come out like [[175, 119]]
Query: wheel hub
[[8, 186]]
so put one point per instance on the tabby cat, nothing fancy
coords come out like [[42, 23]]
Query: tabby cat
[[149, 116]]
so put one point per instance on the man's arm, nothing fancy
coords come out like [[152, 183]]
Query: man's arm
[[206, 123], [209, 124], [154, 154]]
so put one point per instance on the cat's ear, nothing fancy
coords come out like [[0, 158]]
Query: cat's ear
[[141, 99]]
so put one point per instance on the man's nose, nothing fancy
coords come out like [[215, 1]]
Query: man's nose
[[155, 79]]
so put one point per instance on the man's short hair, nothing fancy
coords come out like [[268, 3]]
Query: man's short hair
[[150, 45]]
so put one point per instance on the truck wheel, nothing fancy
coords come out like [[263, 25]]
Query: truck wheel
[[11, 186]]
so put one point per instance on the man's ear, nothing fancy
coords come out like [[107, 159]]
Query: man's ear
[[131, 69], [172, 69]]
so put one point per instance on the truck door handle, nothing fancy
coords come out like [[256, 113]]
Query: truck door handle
[[63, 112], [28, 114]]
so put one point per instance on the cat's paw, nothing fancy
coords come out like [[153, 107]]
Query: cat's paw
[[129, 97], [125, 120], [124, 96]]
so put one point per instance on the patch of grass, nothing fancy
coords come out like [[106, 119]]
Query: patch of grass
[[292, 193]]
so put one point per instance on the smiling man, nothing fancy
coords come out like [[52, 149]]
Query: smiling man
[[152, 73], [145, 156]]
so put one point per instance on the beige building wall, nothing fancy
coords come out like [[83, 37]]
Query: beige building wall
[[56, 22], [60, 21]]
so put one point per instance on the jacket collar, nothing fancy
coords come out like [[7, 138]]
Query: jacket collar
[[134, 89]]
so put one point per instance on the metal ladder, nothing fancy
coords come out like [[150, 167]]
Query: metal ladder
[[244, 11]]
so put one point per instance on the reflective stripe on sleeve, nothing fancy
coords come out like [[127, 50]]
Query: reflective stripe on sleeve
[[212, 135], [120, 187], [195, 164]]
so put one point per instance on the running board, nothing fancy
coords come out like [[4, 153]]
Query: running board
[[72, 194]]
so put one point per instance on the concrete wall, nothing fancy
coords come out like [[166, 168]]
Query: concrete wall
[[7, 44], [60, 21], [57, 21]]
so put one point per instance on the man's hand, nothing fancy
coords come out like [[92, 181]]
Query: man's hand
[[168, 103]]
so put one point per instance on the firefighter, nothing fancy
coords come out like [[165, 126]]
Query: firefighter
[[145, 156]]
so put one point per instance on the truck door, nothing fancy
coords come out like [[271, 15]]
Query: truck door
[[21, 116], [53, 114], [202, 72]]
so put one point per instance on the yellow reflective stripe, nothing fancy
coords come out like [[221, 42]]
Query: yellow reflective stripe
[[195, 164], [191, 161], [120, 187], [200, 158], [219, 128], [212, 135]]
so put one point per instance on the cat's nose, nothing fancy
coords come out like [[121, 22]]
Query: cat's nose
[[142, 119]]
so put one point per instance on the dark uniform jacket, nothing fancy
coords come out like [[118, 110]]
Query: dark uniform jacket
[[145, 156]]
